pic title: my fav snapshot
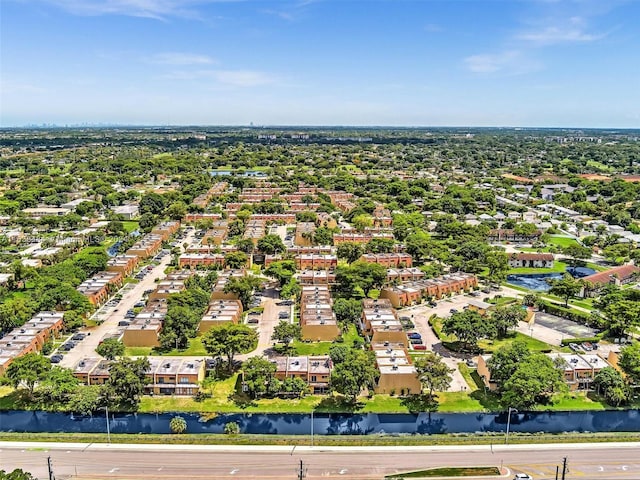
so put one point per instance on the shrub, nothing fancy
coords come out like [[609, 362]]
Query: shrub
[[178, 425], [231, 428]]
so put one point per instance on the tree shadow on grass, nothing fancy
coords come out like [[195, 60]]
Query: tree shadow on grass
[[239, 398], [338, 404], [420, 403]]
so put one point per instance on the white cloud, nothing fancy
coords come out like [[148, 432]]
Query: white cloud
[[571, 31], [158, 9], [181, 58], [233, 78], [510, 62]]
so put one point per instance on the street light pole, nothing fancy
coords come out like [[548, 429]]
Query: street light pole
[[106, 410], [506, 438]]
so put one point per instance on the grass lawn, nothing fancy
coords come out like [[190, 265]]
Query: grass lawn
[[195, 349], [322, 348], [577, 401], [130, 226], [562, 241], [501, 301], [449, 472], [490, 346], [137, 351]]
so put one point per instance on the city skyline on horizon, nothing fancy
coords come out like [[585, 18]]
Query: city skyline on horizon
[[320, 63]]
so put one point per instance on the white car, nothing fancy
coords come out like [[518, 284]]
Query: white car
[[522, 476]]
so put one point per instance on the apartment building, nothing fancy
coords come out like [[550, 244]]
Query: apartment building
[[144, 330], [147, 246], [317, 320], [199, 260], [314, 370], [195, 217], [414, 292], [619, 276], [218, 292], [166, 376], [354, 237], [389, 260], [312, 261], [30, 337], [317, 277], [98, 287], [398, 375], [125, 264], [217, 234], [166, 229], [531, 260], [579, 370], [304, 233], [255, 230], [220, 312], [380, 323]]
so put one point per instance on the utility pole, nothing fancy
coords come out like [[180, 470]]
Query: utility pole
[[50, 466], [302, 473], [557, 471], [564, 467]]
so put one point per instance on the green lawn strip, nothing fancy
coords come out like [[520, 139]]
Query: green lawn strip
[[465, 371], [130, 225], [490, 346], [562, 241], [449, 472], [319, 440], [322, 348]]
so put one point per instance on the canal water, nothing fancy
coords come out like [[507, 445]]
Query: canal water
[[539, 282], [330, 424]]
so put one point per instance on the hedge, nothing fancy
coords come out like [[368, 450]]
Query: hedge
[[568, 313]]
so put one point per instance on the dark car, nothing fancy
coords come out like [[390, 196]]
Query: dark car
[[123, 323], [433, 304], [67, 346], [414, 335], [416, 341], [453, 310], [57, 358], [284, 303], [283, 315], [486, 290], [79, 336]]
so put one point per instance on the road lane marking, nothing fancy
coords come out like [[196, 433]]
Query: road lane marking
[[114, 470], [343, 471], [234, 471]]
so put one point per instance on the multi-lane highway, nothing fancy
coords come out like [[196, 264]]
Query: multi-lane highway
[[92, 461]]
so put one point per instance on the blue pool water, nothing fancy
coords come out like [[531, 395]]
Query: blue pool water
[[539, 282]]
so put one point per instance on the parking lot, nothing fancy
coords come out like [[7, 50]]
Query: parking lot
[[274, 311]]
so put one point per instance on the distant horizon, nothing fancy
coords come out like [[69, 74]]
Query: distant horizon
[[320, 62], [305, 126]]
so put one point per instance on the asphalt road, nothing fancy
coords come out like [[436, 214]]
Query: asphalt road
[[88, 461]]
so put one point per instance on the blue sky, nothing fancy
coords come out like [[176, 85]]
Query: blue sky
[[321, 62]]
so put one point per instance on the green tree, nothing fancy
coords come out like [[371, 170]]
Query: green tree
[[566, 288], [507, 317], [245, 245], [291, 290], [28, 370], [177, 210], [469, 327], [621, 316], [57, 386], [125, 386], [362, 222], [433, 373], [535, 380], [610, 383], [235, 260], [228, 340], [259, 376], [323, 236], [347, 310], [110, 348], [178, 425], [630, 362], [504, 362], [576, 252], [282, 271], [285, 332], [498, 264], [357, 372], [243, 287], [359, 277], [271, 244], [17, 474], [380, 245], [349, 251], [231, 428], [306, 216], [85, 400]]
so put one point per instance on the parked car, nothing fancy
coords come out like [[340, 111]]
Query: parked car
[[138, 304], [486, 290], [587, 346], [284, 303], [453, 310], [405, 319], [414, 335], [252, 320], [57, 358], [254, 312], [470, 363], [123, 323], [522, 476], [79, 336], [574, 347], [283, 315], [419, 347], [475, 294], [67, 346], [433, 304], [416, 341]]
